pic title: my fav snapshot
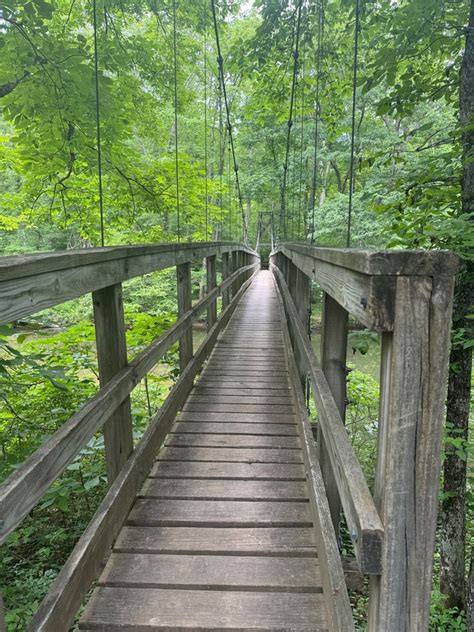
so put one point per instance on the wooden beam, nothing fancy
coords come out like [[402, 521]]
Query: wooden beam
[[361, 515], [112, 356], [413, 390], [226, 270], [36, 282], [59, 607], [333, 364], [211, 284], [183, 275]]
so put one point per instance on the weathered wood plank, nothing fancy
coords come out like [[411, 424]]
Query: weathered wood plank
[[246, 400], [231, 455], [228, 470], [132, 610], [281, 541], [211, 284], [241, 417], [212, 572], [203, 428], [203, 489], [112, 356], [216, 513], [232, 441], [230, 407]]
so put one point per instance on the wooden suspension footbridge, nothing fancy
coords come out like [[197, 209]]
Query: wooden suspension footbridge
[[226, 514]]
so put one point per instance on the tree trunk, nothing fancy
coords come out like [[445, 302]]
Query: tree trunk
[[453, 536], [470, 595]]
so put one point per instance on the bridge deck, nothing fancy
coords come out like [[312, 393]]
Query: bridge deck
[[221, 536]]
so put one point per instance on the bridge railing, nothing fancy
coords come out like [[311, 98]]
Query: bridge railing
[[407, 297], [32, 283]]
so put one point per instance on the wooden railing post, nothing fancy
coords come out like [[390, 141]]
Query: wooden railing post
[[235, 267], [413, 391], [333, 364], [112, 356], [211, 284], [183, 278], [226, 271]]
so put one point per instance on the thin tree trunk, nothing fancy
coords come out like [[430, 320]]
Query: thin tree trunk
[[453, 536]]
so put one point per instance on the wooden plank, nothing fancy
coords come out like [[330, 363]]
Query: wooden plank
[[216, 513], [38, 472], [413, 380], [230, 407], [370, 299], [231, 455], [247, 400], [183, 279], [225, 274], [202, 428], [241, 417], [267, 383], [281, 541], [125, 609], [228, 470], [232, 441], [384, 262], [212, 572], [338, 607], [283, 392], [112, 356], [60, 604], [361, 515], [223, 490], [333, 365]]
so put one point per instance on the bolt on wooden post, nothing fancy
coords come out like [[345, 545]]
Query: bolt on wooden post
[[112, 356], [183, 278]]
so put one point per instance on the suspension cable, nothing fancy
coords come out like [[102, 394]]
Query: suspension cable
[[97, 120], [221, 160], [176, 158], [353, 128], [317, 114], [300, 192], [220, 63], [296, 39], [229, 186], [206, 192]]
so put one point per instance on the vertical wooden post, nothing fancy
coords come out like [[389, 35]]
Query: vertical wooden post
[[3, 623], [112, 356], [413, 391], [183, 278], [235, 267], [211, 284], [225, 274], [333, 364]]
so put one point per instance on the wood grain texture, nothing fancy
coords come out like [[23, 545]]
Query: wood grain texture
[[265, 541], [228, 470], [184, 289], [115, 609], [226, 427], [212, 572], [112, 356]]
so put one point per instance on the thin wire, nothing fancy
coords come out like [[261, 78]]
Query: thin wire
[[283, 218], [176, 158], [205, 121], [230, 190], [353, 129], [317, 116], [300, 193], [220, 63], [97, 120], [221, 160]]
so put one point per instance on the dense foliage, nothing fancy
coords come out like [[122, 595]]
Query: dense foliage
[[408, 159]]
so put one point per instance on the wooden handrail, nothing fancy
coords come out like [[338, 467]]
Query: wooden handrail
[[29, 284], [362, 517], [23, 489]]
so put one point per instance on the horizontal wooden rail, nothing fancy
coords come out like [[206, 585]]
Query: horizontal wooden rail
[[58, 609], [24, 488], [29, 284], [362, 517], [364, 282]]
